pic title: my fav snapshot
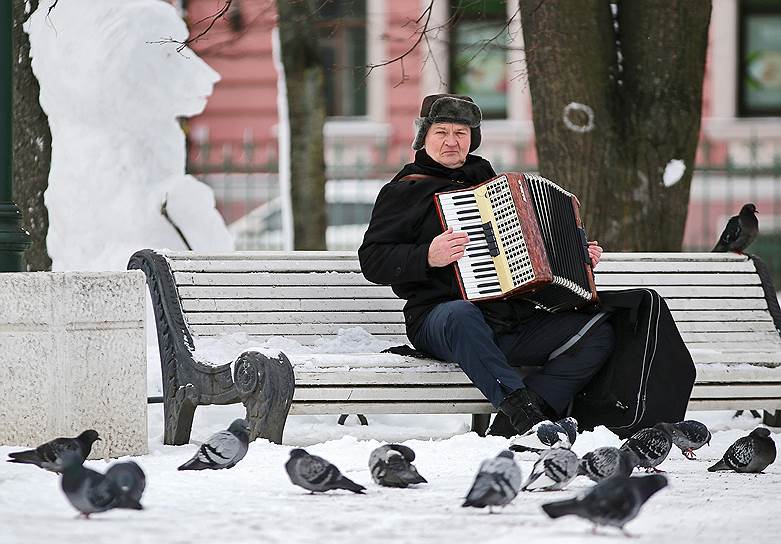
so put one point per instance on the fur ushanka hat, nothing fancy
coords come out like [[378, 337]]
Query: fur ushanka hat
[[447, 108]]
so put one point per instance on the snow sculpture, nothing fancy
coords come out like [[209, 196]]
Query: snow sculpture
[[113, 97]]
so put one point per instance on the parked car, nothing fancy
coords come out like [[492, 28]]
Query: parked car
[[349, 205]]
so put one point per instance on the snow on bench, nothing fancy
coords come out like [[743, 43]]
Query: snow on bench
[[724, 305]]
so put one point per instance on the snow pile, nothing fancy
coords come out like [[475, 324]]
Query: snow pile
[[113, 98], [673, 172]]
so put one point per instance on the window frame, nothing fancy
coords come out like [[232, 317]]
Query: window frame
[[746, 9]]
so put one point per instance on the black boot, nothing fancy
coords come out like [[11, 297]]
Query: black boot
[[522, 409]]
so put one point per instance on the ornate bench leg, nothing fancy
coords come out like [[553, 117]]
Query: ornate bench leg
[[772, 419], [178, 413], [480, 423], [265, 386]]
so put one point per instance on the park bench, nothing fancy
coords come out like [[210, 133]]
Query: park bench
[[724, 305]]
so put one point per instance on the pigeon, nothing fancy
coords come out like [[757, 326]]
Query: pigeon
[[688, 435], [129, 479], [555, 469], [316, 474], [547, 434], [752, 453], [48, 456], [606, 462], [223, 449], [497, 482], [651, 446], [740, 231], [90, 491], [391, 466], [613, 501]]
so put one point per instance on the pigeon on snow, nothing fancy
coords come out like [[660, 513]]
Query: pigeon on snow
[[223, 449], [614, 501], [688, 435], [497, 482], [547, 434], [555, 469], [740, 231], [129, 479], [391, 466], [49, 455], [606, 462], [316, 474], [752, 453], [651, 446], [90, 491]]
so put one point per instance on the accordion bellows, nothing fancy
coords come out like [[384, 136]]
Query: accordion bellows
[[525, 239]]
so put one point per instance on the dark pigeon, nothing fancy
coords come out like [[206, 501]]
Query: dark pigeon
[[650, 446], [613, 501], [688, 436], [496, 484], [129, 479], [391, 466], [607, 462], [740, 231], [316, 474], [221, 450], [48, 456], [91, 492], [752, 453], [555, 469], [547, 434]]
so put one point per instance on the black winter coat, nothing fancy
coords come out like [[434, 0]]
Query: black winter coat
[[403, 224]]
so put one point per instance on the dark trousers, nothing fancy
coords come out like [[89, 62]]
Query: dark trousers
[[456, 331]]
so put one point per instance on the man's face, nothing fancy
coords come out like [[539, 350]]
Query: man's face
[[448, 143]]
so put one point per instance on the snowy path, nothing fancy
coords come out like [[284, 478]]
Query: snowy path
[[255, 502]]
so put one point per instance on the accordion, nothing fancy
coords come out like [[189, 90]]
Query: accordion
[[525, 239]]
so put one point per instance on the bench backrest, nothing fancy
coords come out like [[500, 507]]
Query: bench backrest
[[717, 299]]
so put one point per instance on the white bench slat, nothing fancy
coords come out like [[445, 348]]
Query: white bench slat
[[408, 407], [607, 267], [292, 304], [748, 316], [727, 403], [704, 292], [742, 337], [737, 390], [345, 265], [384, 394]]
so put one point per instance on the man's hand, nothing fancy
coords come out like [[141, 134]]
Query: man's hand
[[595, 252], [447, 248]]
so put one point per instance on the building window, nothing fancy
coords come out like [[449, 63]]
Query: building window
[[478, 56], [342, 32], [759, 68]]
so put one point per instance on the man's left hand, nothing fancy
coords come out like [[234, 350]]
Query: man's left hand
[[595, 252]]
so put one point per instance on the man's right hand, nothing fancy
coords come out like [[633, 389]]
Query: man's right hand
[[447, 248]]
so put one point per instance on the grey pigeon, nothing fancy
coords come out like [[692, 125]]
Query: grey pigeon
[[555, 469], [752, 453], [391, 466], [497, 482], [223, 449], [48, 456], [607, 462], [547, 434], [129, 479], [740, 231], [651, 446], [688, 436], [316, 474], [90, 491], [613, 501]]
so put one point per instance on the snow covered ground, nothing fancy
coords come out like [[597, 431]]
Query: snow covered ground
[[255, 502]]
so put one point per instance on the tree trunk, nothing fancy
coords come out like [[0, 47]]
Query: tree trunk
[[31, 144], [306, 111], [615, 99]]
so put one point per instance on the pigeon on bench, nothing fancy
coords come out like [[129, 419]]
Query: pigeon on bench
[[316, 474], [555, 469], [688, 436], [752, 453], [91, 492], [740, 231], [497, 482], [391, 466], [650, 446], [607, 462], [614, 501], [223, 449], [48, 456], [547, 434]]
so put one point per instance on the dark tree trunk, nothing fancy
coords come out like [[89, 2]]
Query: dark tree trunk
[[306, 111], [639, 77], [32, 144]]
